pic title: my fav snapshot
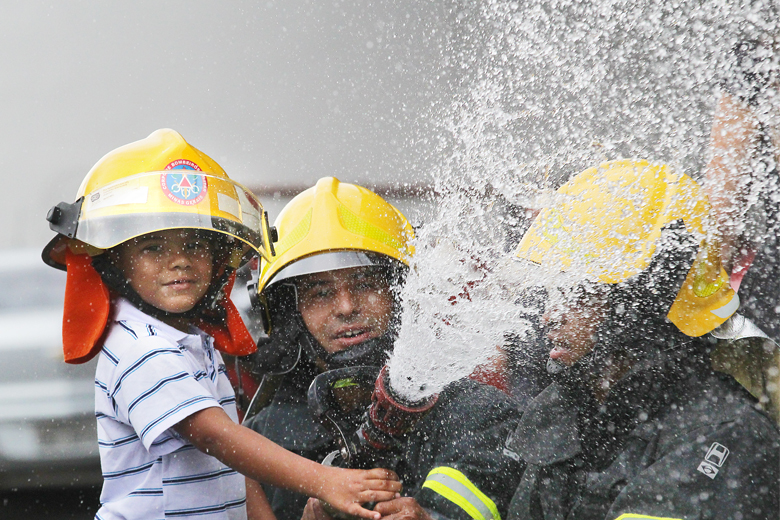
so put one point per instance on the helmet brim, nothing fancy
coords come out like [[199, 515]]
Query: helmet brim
[[330, 261]]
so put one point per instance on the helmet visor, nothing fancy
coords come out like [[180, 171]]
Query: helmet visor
[[330, 262], [172, 199]]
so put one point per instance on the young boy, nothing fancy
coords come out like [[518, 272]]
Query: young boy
[[149, 247]]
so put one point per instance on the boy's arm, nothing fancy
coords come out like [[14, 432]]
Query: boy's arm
[[213, 432]]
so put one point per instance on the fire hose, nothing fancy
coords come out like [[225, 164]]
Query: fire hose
[[366, 417]]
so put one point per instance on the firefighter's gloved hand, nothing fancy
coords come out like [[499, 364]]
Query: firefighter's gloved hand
[[404, 508], [315, 511]]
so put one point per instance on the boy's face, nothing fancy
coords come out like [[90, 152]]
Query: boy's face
[[345, 307], [169, 269]]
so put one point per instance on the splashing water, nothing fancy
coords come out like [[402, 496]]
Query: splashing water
[[543, 90]]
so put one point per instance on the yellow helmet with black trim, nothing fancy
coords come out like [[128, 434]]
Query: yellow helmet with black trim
[[161, 182], [607, 223], [335, 217]]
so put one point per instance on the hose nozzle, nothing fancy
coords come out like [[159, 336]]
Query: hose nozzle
[[390, 416]]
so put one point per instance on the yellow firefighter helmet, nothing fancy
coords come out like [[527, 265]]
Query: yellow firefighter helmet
[[335, 217], [161, 182], [154, 184], [607, 222]]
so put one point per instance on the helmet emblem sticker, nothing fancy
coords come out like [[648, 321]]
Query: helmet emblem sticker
[[182, 188], [182, 164]]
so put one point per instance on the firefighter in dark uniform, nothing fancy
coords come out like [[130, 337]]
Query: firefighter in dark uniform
[[332, 298], [742, 182], [637, 424]]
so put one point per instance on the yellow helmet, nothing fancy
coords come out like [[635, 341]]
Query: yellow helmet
[[161, 182], [330, 226], [154, 184], [335, 217], [608, 223]]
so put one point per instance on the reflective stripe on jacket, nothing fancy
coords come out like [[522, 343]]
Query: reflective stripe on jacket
[[455, 487]]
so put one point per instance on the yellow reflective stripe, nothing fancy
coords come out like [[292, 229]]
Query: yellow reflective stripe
[[630, 516], [455, 498], [358, 226], [455, 487], [297, 234]]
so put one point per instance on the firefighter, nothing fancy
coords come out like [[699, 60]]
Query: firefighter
[[637, 424], [332, 299], [741, 177], [741, 181]]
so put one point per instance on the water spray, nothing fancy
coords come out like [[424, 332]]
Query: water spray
[[543, 91]]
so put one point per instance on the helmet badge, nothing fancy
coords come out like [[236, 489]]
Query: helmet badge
[[186, 189]]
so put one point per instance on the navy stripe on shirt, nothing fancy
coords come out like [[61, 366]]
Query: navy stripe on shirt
[[227, 400], [153, 390], [140, 362], [218, 508], [146, 492], [181, 406], [128, 328], [186, 447], [119, 442], [110, 355], [101, 385], [131, 471], [198, 478]]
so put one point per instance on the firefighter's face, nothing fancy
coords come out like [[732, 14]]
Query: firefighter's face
[[571, 320], [345, 307]]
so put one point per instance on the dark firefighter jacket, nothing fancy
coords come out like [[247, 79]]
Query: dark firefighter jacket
[[670, 442], [454, 462]]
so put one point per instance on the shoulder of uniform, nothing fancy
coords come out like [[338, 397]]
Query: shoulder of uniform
[[711, 402]]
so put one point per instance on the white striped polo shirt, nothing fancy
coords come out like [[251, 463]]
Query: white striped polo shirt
[[149, 377]]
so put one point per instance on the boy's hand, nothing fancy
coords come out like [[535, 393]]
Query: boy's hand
[[315, 511], [405, 508], [347, 489]]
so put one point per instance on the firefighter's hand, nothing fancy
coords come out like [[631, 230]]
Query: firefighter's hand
[[315, 511], [405, 508]]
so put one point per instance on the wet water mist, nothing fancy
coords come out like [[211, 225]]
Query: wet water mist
[[544, 89]]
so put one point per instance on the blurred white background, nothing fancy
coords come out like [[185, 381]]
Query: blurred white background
[[279, 93]]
